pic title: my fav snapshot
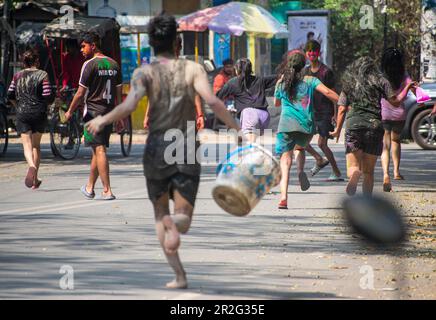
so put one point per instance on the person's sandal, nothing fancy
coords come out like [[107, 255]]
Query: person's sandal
[[317, 168], [107, 197], [283, 204], [37, 184], [304, 181], [88, 195]]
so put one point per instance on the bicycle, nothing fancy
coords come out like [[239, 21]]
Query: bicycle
[[66, 136]]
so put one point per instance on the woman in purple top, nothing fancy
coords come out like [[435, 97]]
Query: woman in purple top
[[393, 118]]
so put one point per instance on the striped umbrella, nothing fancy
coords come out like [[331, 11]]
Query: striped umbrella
[[235, 18]]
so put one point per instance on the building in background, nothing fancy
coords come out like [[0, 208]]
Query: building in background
[[428, 41]]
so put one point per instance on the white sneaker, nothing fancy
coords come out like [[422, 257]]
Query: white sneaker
[[334, 178]]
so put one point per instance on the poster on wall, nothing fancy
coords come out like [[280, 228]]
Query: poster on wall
[[428, 41], [304, 28], [221, 48]]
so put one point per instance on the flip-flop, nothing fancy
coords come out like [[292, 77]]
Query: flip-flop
[[107, 197], [318, 168], [88, 195], [400, 177], [283, 204], [334, 178], [37, 184], [304, 181], [30, 177]]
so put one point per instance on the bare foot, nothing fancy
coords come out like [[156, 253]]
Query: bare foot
[[172, 236], [178, 284], [352, 183], [387, 186]]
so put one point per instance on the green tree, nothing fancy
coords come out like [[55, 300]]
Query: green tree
[[349, 41]]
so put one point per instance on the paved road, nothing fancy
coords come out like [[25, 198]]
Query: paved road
[[303, 253]]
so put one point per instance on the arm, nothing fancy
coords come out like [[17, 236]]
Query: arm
[[199, 112], [47, 94], [343, 108], [433, 112], [340, 122], [11, 95], [137, 91], [145, 124], [202, 87], [328, 93], [270, 81], [225, 91], [396, 101], [78, 100]]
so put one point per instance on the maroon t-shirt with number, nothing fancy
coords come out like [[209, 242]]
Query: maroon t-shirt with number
[[100, 76]]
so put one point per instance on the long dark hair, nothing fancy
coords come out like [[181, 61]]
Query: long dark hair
[[244, 69], [291, 71], [393, 67], [361, 80]]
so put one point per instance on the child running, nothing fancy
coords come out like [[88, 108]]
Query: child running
[[363, 87], [171, 85], [249, 94], [394, 118], [294, 92]]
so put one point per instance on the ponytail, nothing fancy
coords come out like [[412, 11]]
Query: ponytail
[[244, 69], [292, 75]]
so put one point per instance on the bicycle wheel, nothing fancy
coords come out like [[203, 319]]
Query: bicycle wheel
[[126, 134], [4, 135], [64, 138]]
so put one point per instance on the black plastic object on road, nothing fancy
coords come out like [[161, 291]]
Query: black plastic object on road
[[375, 218]]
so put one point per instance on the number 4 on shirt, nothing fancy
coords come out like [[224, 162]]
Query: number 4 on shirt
[[107, 93]]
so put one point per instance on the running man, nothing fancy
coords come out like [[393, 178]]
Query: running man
[[99, 86], [198, 102], [325, 111], [30, 91], [171, 85]]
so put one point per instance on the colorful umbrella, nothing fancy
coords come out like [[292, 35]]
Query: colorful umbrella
[[235, 18]]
